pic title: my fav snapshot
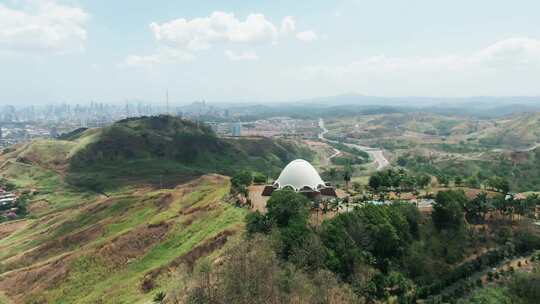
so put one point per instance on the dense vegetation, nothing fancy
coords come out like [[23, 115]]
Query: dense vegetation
[[513, 288], [398, 180], [165, 150], [378, 252], [118, 244], [521, 170]]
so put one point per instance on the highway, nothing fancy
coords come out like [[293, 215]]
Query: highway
[[376, 154]]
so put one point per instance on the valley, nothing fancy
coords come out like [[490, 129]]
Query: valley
[[133, 210]]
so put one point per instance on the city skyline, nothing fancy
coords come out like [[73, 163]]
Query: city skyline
[[75, 52]]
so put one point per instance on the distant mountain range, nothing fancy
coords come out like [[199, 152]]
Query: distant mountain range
[[359, 99], [352, 103]]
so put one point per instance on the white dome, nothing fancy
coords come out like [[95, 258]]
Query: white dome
[[299, 174]]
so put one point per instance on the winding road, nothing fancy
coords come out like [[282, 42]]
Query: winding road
[[376, 154]]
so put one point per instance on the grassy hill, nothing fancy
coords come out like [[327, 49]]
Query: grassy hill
[[520, 131], [115, 213], [166, 150]]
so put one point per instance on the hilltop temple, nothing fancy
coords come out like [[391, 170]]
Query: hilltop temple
[[300, 176]]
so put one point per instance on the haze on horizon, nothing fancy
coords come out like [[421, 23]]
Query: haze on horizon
[[110, 51]]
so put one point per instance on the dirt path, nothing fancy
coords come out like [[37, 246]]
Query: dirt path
[[258, 202]]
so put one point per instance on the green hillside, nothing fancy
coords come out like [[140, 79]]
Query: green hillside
[[521, 131], [165, 150], [115, 213]]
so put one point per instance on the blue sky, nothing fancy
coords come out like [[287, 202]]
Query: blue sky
[[110, 51]]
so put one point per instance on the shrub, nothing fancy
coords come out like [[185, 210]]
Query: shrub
[[259, 178], [159, 297]]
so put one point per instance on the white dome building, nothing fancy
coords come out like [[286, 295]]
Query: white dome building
[[300, 176]]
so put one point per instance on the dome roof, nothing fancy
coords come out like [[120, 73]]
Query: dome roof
[[300, 175]]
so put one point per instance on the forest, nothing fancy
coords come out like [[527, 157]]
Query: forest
[[377, 253]]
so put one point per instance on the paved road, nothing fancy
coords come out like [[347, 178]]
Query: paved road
[[531, 148], [376, 154]]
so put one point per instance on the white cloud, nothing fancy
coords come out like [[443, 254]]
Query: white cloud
[[243, 56], [511, 53], [163, 56], [307, 36], [519, 52], [200, 33], [42, 26], [485, 71], [288, 25]]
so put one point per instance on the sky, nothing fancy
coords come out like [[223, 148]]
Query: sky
[[54, 51]]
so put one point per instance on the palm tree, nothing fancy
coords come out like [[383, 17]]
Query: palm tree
[[347, 178]]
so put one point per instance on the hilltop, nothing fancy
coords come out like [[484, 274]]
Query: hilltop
[[115, 213], [161, 151]]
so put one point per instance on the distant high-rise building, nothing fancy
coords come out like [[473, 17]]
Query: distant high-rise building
[[54, 132], [236, 129]]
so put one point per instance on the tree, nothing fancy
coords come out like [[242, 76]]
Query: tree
[[501, 205], [241, 179], [525, 286], [402, 161], [406, 182], [458, 180], [375, 182], [258, 223], [423, 180], [499, 184], [259, 178], [478, 207], [443, 180], [448, 210], [289, 212], [473, 182], [332, 173], [285, 206], [347, 177]]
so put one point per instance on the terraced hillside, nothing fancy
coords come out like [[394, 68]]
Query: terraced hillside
[[112, 220]]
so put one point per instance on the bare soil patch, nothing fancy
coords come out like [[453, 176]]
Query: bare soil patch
[[6, 229], [258, 202], [133, 244], [22, 283], [56, 247], [189, 259]]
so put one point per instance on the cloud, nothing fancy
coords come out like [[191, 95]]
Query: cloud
[[189, 36], [243, 56], [200, 33], [512, 53], [162, 56], [288, 25], [307, 36], [518, 52], [494, 69], [42, 26]]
